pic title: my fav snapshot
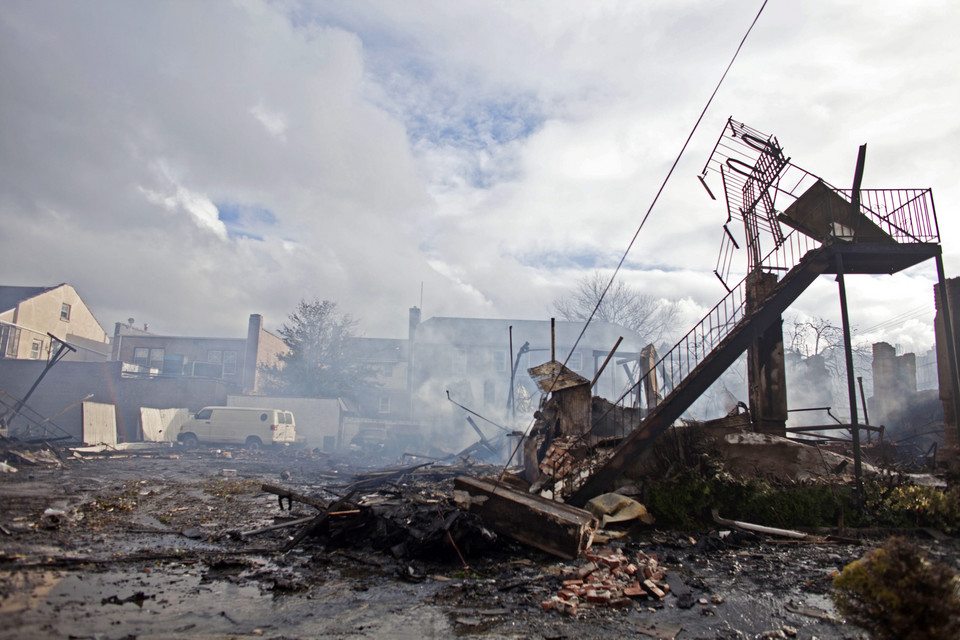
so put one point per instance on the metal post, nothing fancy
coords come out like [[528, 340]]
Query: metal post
[[949, 337], [847, 347], [863, 401], [851, 385], [596, 376], [553, 339], [510, 401]]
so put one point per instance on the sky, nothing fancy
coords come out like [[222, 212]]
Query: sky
[[189, 163]]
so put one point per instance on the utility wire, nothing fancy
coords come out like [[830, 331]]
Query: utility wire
[[646, 215], [895, 321], [666, 179]]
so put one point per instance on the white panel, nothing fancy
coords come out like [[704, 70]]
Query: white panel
[[162, 425], [99, 423]]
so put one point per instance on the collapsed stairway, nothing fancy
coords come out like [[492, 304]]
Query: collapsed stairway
[[891, 231]]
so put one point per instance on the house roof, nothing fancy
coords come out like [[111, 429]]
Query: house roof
[[11, 297]]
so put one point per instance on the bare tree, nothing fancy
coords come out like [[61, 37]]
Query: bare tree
[[650, 317], [815, 336], [819, 345]]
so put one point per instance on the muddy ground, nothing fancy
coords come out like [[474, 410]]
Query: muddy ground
[[146, 545]]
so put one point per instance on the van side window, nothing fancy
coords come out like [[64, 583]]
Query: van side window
[[263, 417], [205, 414]]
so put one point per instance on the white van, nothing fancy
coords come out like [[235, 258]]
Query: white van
[[253, 428]]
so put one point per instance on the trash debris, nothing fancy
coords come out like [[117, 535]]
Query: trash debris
[[53, 518], [137, 598], [661, 630], [613, 508]]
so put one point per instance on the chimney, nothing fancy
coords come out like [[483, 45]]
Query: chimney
[[251, 353], [411, 363], [414, 322]]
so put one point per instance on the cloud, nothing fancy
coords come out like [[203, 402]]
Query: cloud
[[192, 163], [273, 121]]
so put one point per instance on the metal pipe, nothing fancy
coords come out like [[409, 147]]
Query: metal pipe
[[605, 362]]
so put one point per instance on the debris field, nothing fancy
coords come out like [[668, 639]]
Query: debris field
[[219, 543]]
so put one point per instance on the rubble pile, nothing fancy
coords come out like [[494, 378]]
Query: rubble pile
[[406, 512], [609, 578], [404, 525]]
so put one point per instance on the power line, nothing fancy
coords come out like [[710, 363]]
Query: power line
[[899, 319], [653, 203], [666, 179]]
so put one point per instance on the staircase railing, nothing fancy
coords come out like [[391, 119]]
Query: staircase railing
[[906, 215], [676, 364]]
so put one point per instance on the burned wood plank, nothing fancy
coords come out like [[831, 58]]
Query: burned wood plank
[[553, 527], [274, 527], [314, 525], [283, 492]]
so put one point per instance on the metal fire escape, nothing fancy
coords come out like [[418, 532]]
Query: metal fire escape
[[834, 231]]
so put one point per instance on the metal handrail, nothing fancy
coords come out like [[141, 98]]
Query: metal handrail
[[909, 218], [906, 215]]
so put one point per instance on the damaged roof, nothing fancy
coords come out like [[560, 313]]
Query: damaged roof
[[553, 376]]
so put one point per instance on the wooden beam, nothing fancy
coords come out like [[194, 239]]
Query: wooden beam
[[556, 528]]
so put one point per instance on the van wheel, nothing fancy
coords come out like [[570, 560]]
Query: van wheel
[[189, 441], [254, 443]]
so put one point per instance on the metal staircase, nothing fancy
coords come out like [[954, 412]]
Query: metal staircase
[[894, 229]]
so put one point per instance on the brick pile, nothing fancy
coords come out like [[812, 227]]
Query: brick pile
[[609, 579], [558, 461]]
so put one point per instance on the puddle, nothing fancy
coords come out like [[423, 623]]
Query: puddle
[[22, 590], [182, 601]]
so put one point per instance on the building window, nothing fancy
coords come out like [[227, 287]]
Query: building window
[[215, 357], [148, 358], [576, 361], [229, 363], [173, 364], [499, 361], [386, 370], [384, 404], [9, 341], [65, 312], [36, 348]]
